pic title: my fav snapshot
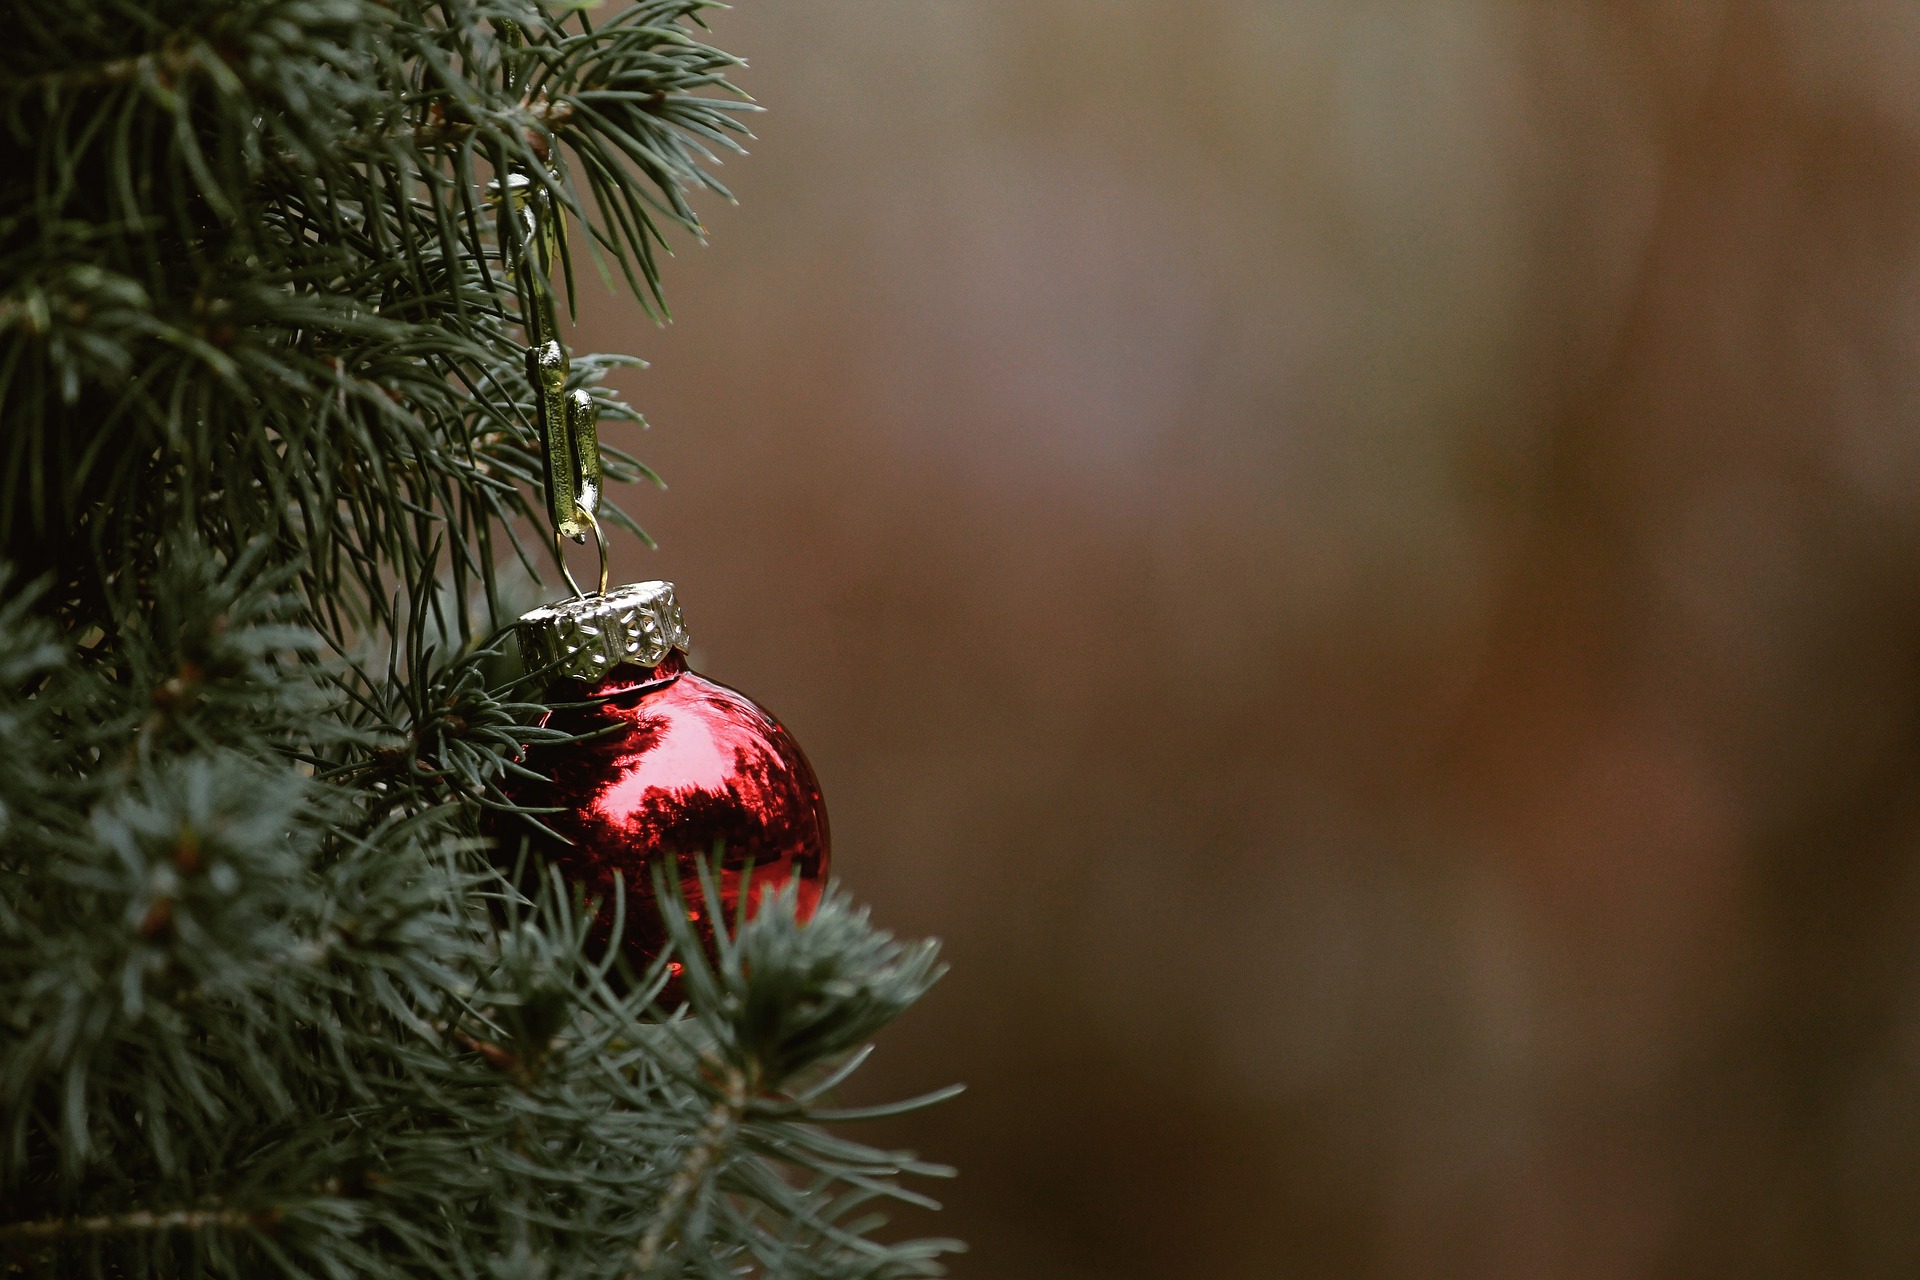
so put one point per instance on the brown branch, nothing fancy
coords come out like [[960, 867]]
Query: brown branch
[[168, 63], [138, 1220], [440, 131], [707, 1146]]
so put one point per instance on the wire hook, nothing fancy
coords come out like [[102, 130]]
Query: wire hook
[[560, 555]]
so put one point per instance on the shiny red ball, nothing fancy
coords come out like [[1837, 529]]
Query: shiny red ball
[[680, 765]]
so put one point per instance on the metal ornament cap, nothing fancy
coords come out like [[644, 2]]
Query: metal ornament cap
[[638, 624]]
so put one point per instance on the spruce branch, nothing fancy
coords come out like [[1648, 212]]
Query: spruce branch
[[138, 1220], [713, 1138], [266, 446]]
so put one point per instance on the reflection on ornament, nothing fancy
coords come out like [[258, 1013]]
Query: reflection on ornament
[[667, 764]]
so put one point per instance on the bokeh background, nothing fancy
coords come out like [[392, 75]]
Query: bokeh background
[[1359, 562]]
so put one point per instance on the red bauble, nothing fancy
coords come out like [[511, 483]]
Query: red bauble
[[668, 764]]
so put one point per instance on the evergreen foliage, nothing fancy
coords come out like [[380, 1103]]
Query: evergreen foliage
[[265, 431]]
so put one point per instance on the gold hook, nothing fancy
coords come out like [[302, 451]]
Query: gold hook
[[600, 544], [567, 421]]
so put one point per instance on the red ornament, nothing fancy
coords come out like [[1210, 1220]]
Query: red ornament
[[676, 765]]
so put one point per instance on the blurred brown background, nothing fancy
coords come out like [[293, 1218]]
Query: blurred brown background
[[1359, 561]]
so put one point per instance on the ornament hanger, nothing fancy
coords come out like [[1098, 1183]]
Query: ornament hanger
[[600, 544], [567, 421]]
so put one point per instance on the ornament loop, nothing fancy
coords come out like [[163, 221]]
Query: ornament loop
[[600, 544]]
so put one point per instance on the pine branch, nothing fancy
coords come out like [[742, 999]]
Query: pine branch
[[265, 450], [166, 64], [139, 1220], [708, 1144]]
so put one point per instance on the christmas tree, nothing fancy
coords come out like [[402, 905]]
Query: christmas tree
[[271, 1000]]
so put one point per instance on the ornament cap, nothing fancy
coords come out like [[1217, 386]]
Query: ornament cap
[[638, 624]]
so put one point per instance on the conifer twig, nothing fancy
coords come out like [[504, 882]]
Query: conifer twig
[[265, 441], [138, 1220], [168, 62], [707, 1146]]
